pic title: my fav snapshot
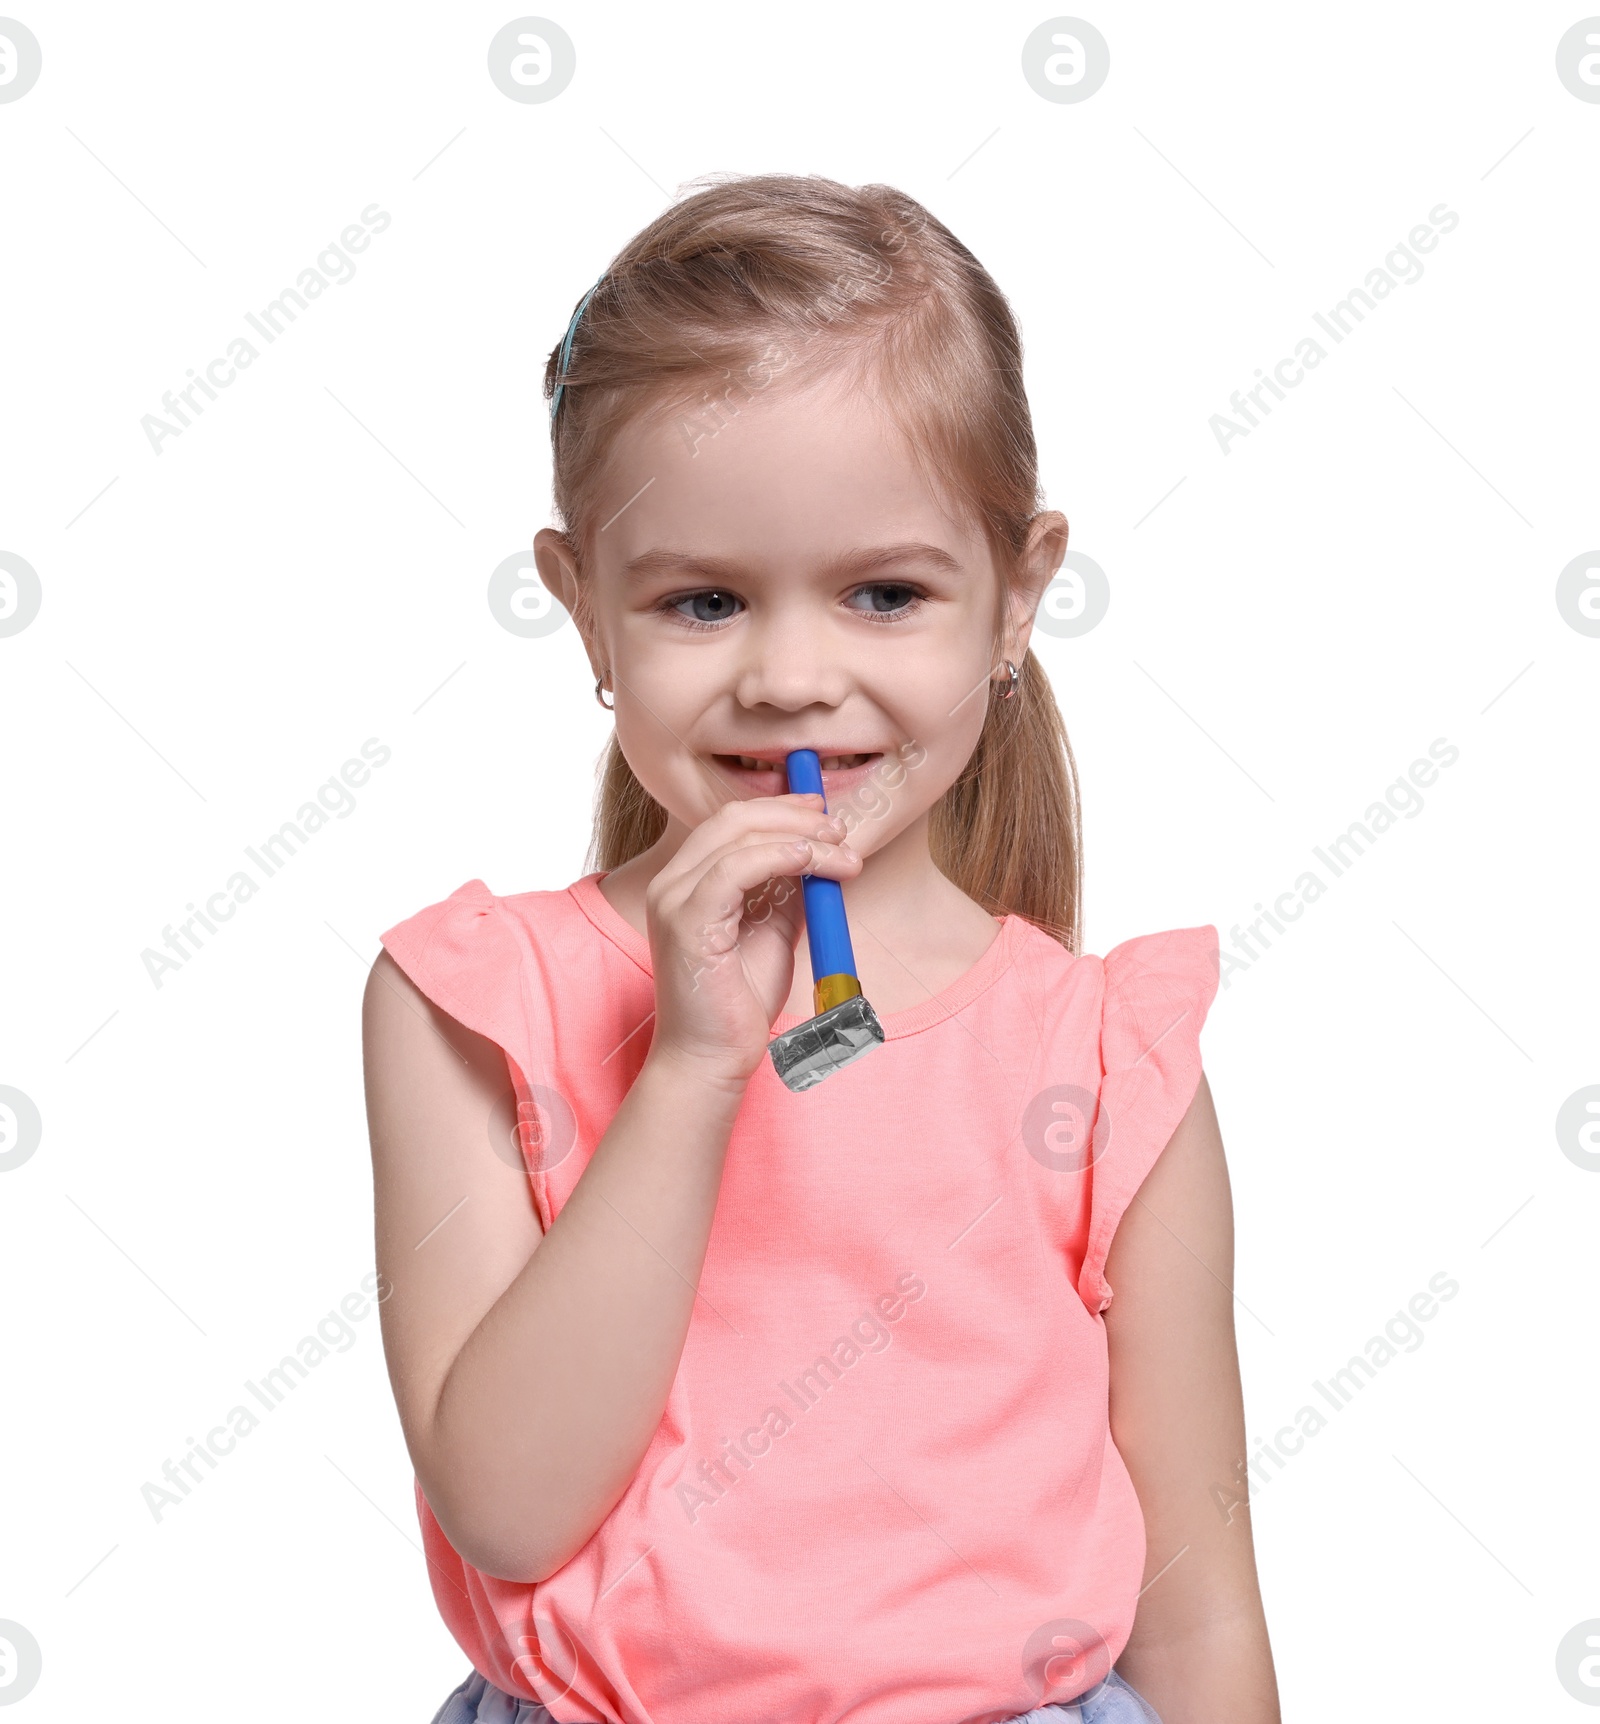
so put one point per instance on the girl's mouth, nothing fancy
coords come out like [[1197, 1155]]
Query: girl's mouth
[[840, 773]]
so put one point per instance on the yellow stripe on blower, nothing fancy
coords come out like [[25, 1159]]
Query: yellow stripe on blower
[[834, 990]]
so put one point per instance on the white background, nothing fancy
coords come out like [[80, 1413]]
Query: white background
[[223, 624]]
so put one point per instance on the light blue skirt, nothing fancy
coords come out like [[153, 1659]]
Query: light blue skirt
[[1112, 1701]]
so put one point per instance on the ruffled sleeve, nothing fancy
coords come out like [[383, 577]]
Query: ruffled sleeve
[[472, 956], [1158, 989], [463, 953]]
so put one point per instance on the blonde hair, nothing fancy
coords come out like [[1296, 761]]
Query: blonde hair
[[716, 296]]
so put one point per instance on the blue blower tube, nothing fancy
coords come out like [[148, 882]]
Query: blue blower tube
[[827, 932], [845, 1026]]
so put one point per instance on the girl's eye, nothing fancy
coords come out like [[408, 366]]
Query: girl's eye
[[892, 602], [718, 604]]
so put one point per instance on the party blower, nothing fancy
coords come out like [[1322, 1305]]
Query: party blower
[[845, 1026]]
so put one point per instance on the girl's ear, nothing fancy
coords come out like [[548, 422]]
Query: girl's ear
[[1041, 558], [558, 569]]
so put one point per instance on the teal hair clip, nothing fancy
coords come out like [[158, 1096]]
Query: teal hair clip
[[566, 351]]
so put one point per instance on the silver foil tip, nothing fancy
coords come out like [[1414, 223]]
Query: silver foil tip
[[822, 1045]]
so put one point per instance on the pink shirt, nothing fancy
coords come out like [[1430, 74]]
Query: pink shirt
[[883, 1489]]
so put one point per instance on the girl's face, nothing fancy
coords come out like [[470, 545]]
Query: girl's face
[[785, 578]]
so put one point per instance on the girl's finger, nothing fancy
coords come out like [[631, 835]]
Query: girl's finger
[[757, 821], [719, 894], [801, 812]]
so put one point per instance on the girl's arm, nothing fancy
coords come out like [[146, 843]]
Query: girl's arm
[[530, 1370], [1199, 1651]]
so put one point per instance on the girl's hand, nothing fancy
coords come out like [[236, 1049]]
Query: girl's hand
[[724, 916]]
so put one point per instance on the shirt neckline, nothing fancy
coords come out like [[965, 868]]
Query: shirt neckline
[[994, 961]]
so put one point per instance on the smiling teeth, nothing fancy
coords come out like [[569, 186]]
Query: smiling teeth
[[833, 763]]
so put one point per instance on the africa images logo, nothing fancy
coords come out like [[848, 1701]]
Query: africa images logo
[[1401, 267]]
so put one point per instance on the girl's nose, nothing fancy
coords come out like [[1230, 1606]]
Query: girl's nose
[[791, 663]]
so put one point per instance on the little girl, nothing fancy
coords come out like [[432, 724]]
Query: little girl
[[911, 1398]]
